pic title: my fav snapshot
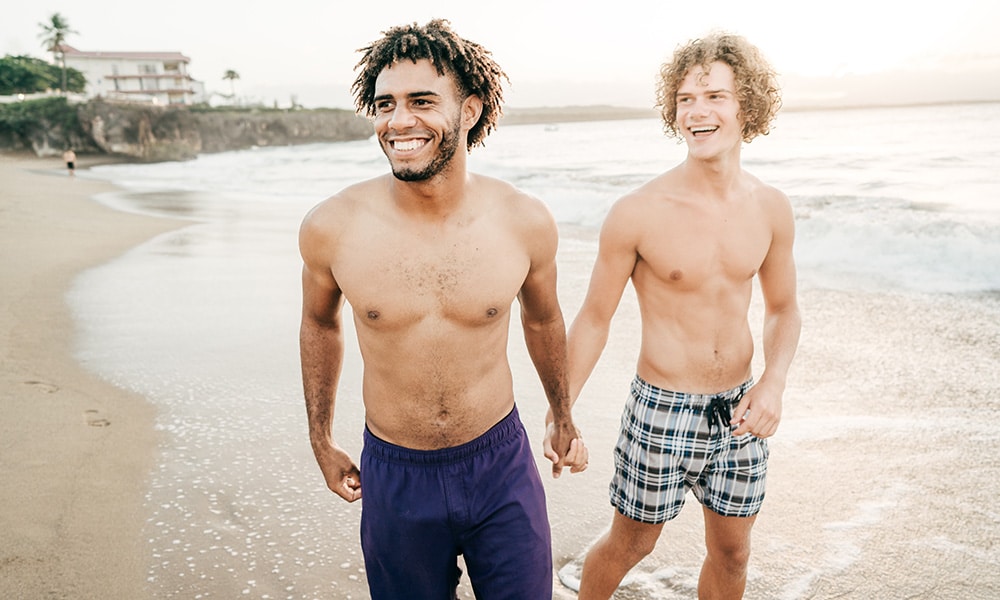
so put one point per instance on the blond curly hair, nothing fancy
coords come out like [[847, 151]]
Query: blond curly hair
[[756, 81]]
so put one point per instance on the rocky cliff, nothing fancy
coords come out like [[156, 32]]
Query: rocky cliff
[[150, 133]]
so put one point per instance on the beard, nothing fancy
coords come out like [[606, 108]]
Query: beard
[[439, 164]]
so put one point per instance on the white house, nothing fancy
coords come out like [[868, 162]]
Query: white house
[[156, 77]]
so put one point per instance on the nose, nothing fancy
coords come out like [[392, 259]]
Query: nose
[[699, 107], [401, 117]]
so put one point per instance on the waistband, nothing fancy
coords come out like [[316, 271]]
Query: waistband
[[653, 395], [507, 428]]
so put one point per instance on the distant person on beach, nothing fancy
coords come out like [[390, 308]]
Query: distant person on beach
[[430, 260], [691, 240], [69, 157]]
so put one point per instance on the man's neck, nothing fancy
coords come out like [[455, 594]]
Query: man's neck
[[435, 198], [718, 177]]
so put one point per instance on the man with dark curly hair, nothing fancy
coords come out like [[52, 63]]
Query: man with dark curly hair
[[430, 260], [692, 240]]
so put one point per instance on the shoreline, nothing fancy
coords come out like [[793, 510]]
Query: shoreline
[[76, 451]]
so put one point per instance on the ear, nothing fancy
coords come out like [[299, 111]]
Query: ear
[[472, 109]]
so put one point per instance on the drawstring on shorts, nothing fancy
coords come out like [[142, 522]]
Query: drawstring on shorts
[[719, 413]]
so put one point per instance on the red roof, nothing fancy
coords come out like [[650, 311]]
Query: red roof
[[163, 56]]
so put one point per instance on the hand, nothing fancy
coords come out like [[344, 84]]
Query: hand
[[341, 474], [564, 447], [758, 412]]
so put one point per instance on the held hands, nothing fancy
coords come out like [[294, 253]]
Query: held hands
[[341, 474], [564, 447], [758, 412]]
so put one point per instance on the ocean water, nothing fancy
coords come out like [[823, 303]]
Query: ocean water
[[898, 219], [900, 198]]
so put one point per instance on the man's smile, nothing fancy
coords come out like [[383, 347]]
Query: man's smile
[[703, 130], [408, 145]]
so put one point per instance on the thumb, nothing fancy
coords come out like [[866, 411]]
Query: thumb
[[740, 410], [548, 451]]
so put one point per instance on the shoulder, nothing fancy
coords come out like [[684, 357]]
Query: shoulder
[[651, 202], [516, 207], [772, 201], [327, 220], [522, 216]]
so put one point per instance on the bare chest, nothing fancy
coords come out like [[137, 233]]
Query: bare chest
[[465, 277], [689, 253]]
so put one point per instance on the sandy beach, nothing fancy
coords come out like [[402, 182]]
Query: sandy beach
[[883, 474], [75, 451]]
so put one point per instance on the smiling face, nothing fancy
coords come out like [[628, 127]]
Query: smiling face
[[708, 111], [418, 119]]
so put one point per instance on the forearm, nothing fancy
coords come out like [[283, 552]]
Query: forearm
[[586, 342], [546, 342], [321, 349], [780, 341]]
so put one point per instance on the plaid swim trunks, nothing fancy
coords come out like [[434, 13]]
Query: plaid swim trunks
[[671, 441]]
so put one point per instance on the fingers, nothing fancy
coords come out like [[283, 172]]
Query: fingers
[[576, 458], [581, 456], [350, 487], [757, 423], [558, 464], [740, 412], [547, 450]]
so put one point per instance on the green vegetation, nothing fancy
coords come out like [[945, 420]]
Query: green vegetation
[[21, 120], [27, 75]]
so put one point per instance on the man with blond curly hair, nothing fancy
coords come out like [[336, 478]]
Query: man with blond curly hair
[[692, 240], [430, 259]]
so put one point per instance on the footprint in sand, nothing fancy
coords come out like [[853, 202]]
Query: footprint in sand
[[94, 418], [48, 388]]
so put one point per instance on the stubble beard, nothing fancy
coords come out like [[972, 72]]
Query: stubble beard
[[439, 164]]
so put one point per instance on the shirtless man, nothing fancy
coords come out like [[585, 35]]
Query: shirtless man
[[69, 157], [430, 260], [692, 240]]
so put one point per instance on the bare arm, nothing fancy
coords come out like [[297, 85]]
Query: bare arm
[[614, 265], [321, 348], [545, 337], [782, 325]]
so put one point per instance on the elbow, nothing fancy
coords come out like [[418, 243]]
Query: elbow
[[539, 323]]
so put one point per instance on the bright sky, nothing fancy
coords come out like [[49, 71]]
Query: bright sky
[[556, 52]]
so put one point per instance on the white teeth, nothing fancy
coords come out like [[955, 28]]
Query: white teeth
[[408, 145], [703, 129]]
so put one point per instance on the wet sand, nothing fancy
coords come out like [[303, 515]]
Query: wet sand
[[75, 451], [882, 478]]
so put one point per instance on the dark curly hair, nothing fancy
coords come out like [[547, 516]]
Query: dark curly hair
[[756, 82], [474, 70]]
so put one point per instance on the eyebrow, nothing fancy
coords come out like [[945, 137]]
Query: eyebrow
[[715, 91], [411, 95]]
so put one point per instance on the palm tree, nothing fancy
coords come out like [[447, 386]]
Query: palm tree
[[53, 36], [232, 76]]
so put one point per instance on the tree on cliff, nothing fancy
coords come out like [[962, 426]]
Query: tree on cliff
[[53, 36], [28, 75], [232, 76]]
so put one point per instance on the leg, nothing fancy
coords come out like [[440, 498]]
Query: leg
[[405, 538], [621, 548], [507, 543], [724, 573]]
